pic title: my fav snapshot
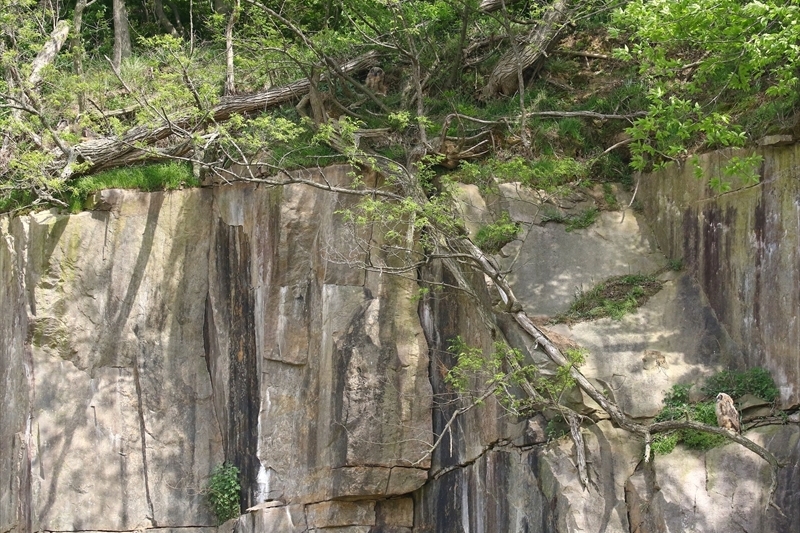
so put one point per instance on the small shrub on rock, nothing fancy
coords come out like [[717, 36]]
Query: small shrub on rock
[[677, 406], [223, 492]]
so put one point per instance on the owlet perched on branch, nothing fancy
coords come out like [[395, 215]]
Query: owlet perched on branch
[[727, 415]]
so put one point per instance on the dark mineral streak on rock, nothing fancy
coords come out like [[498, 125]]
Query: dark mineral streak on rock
[[233, 265]]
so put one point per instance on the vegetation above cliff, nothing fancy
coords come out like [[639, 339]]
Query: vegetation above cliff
[[607, 85]]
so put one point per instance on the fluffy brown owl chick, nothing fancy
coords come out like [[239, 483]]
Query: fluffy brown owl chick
[[727, 415], [376, 81]]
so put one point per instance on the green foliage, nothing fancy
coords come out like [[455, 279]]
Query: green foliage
[[156, 177], [614, 297], [664, 443], [743, 169], [741, 41], [676, 265], [678, 407], [700, 59], [469, 361], [611, 167], [163, 176], [492, 237], [580, 220], [502, 372], [410, 224], [556, 428], [609, 197], [16, 199], [546, 172], [223, 492], [707, 71], [756, 381]]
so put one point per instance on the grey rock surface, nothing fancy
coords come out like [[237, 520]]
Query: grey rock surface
[[743, 247], [147, 341]]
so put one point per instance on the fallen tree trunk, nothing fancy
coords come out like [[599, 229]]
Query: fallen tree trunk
[[57, 39], [504, 79], [134, 146], [488, 6]]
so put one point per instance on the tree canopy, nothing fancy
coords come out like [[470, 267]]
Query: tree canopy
[[665, 78]]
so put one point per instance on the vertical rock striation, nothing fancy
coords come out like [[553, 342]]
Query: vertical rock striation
[[743, 246], [144, 345]]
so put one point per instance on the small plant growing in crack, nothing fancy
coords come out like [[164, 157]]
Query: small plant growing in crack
[[223, 492]]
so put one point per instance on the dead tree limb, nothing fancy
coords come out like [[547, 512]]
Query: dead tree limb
[[132, 146], [488, 6], [504, 79], [48, 53]]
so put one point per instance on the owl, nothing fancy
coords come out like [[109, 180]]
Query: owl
[[376, 81], [727, 415]]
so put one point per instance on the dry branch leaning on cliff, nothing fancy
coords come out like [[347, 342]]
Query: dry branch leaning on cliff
[[463, 247]]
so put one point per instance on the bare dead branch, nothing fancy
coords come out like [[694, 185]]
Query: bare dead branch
[[48, 53], [504, 78], [589, 55]]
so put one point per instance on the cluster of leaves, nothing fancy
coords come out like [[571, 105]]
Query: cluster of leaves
[[695, 59], [614, 297], [677, 406], [223, 492], [403, 223], [492, 237], [708, 65], [756, 381], [503, 372], [548, 173], [609, 197]]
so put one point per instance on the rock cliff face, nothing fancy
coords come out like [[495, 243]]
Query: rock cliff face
[[152, 341], [144, 344], [743, 247]]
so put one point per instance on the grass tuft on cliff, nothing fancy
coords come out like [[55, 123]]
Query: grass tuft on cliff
[[158, 177], [614, 297]]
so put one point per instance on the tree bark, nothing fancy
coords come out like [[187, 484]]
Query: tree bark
[[163, 20], [504, 78], [57, 39], [76, 46], [488, 6], [122, 35], [230, 83], [112, 152]]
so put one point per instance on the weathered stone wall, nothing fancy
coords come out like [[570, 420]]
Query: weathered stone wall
[[15, 381], [743, 247], [516, 479], [342, 398], [145, 344], [119, 431]]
